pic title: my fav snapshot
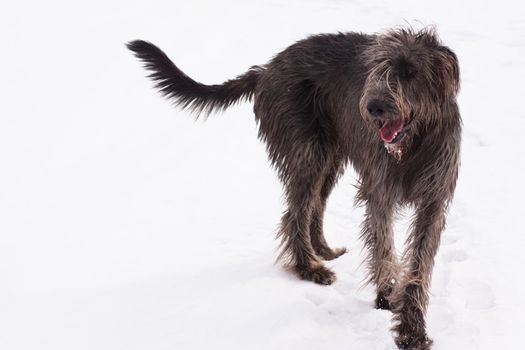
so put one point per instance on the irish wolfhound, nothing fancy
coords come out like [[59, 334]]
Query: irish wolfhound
[[384, 103]]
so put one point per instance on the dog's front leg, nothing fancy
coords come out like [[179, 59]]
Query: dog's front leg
[[377, 234], [410, 299]]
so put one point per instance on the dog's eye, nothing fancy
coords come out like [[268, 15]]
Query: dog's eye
[[406, 70]]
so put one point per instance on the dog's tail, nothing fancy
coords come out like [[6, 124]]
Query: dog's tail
[[186, 92]]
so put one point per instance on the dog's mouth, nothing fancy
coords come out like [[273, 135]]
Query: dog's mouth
[[393, 131]]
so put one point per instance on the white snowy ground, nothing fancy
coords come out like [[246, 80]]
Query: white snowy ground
[[126, 225]]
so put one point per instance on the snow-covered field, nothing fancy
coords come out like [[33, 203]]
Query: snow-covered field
[[124, 224]]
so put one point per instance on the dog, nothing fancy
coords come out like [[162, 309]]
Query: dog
[[384, 103]]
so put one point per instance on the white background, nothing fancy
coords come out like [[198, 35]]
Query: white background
[[124, 224]]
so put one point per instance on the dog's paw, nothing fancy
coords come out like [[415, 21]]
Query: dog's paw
[[410, 335], [382, 301], [331, 254], [317, 273], [413, 342]]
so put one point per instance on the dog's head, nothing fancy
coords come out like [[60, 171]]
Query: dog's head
[[410, 77]]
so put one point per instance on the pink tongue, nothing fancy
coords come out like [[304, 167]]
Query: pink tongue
[[390, 128]]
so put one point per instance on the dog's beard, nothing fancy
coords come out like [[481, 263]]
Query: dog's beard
[[394, 150], [398, 150]]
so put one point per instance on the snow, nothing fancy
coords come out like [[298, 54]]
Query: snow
[[126, 225]]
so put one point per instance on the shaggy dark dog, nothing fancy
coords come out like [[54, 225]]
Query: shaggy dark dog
[[384, 103]]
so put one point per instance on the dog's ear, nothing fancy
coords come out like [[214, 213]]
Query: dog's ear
[[450, 70]]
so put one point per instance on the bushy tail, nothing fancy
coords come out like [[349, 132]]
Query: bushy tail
[[186, 92]]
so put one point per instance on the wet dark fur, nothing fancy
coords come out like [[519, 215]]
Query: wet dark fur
[[313, 104]]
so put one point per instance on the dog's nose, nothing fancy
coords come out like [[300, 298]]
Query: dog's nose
[[376, 108]]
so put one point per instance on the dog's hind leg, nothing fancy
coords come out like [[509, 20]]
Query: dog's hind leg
[[377, 234], [329, 179], [301, 178]]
